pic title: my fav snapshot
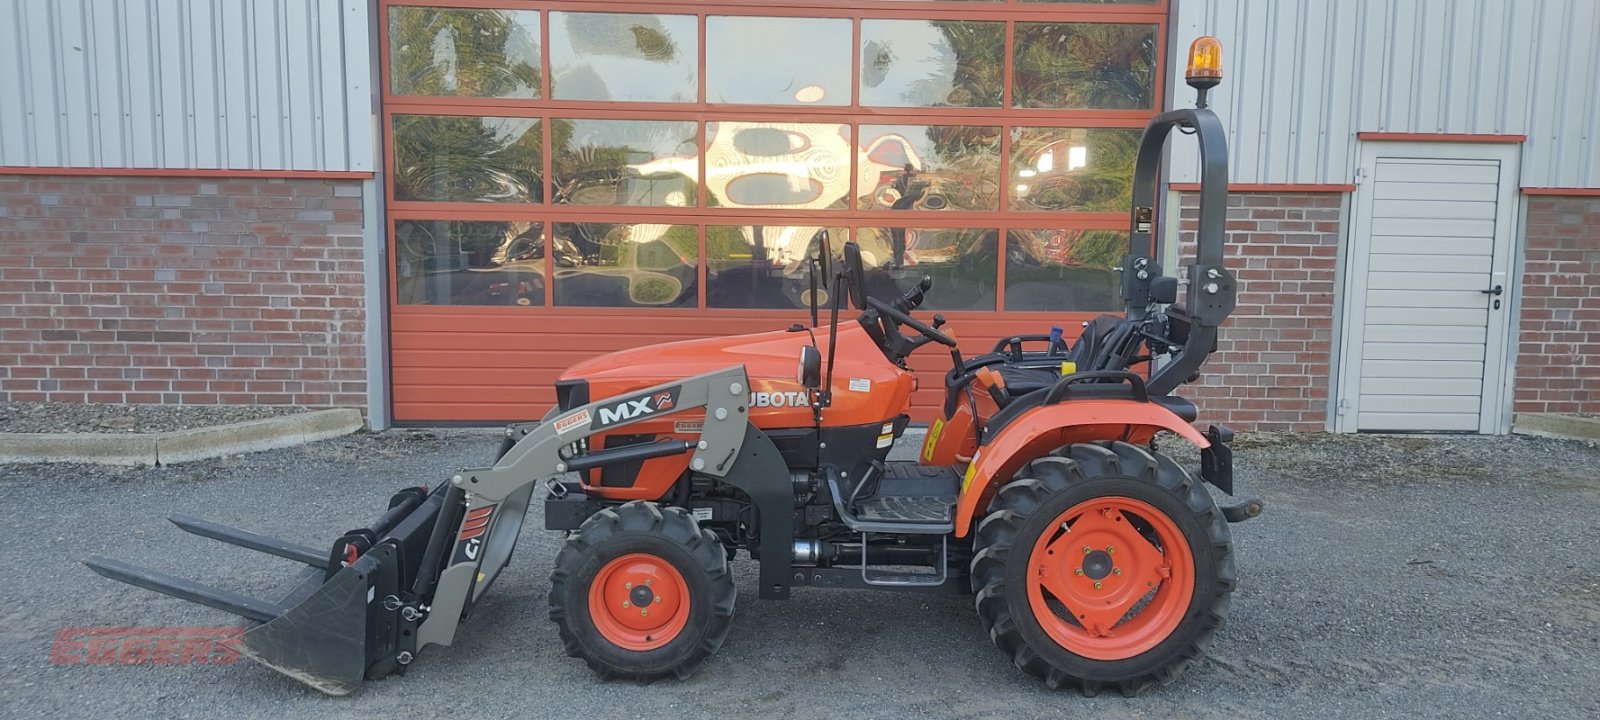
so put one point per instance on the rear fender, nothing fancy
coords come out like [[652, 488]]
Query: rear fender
[[1042, 429]]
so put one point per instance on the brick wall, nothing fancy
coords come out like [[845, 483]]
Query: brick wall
[[152, 290], [1557, 365], [1271, 368]]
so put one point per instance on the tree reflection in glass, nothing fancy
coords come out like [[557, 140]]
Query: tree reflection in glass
[[766, 266], [1059, 269], [464, 53], [932, 63], [929, 167], [467, 159], [457, 262], [1072, 168], [622, 265], [624, 162], [963, 263], [623, 57], [1084, 66]]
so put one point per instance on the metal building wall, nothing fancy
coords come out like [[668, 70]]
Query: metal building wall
[[1303, 77], [192, 84]]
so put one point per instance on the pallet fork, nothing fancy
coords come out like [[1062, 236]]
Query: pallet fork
[[386, 591]]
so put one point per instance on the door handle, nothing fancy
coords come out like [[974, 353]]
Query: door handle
[[1496, 290]]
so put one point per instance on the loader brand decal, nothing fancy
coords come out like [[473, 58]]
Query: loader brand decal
[[636, 407], [780, 399], [571, 422], [469, 540], [145, 646], [688, 426]]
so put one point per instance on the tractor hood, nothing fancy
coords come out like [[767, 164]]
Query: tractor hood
[[867, 388]]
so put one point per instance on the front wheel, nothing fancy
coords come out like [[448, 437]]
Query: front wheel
[[641, 591], [1103, 565]]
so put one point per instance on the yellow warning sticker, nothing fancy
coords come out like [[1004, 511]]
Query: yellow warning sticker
[[931, 443], [885, 440], [972, 471]]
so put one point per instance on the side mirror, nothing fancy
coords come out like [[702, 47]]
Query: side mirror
[[810, 372], [857, 275], [1164, 290]]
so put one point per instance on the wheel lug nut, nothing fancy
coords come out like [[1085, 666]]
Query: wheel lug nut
[[1097, 584], [644, 613], [658, 598], [1116, 571], [1110, 550], [649, 581], [1079, 571], [628, 586], [1087, 549], [627, 604]]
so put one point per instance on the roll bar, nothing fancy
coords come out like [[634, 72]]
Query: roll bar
[[1212, 289]]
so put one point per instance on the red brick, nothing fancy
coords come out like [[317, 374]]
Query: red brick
[[95, 298]]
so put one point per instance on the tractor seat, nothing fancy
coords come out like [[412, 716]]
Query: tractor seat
[[1021, 381]]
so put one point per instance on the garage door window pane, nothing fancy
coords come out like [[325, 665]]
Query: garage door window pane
[[464, 53], [467, 159], [932, 63], [962, 263], [1064, 269], [625, 162], [764, 266], [778, 60], [929, 167], [452, 262], [1072, 169], [1084, 66], [613, 265], [624, 58], [778, 165]]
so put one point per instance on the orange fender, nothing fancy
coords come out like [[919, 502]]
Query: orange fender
[[1043, 429]]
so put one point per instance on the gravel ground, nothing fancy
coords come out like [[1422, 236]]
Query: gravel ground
[[20, 417], [1390, 577]]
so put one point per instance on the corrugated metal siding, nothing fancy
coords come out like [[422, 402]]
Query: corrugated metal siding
[[1303, 77], [192, 84]]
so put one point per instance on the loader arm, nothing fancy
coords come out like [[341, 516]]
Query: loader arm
[[387, 590]]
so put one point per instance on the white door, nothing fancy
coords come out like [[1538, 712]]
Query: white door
[[1428, 288]]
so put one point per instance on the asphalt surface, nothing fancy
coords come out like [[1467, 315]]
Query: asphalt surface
[[1390, 577]]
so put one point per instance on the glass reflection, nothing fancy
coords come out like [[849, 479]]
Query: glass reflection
[[467, 159], [777, 165], [624, 162], [1064, 269], [1084, 66], [453, 262], [623, 57], [767, 266], [1072, 168], [778, 60], [962, 262], [616, 265], [932, 63], [464, 53], [929, 167]]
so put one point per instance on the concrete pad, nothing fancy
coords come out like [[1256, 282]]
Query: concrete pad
[[98, 448], [1557, 425], [177, 446]]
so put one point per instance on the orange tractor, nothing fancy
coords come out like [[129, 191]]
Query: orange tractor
[[1096, 561]]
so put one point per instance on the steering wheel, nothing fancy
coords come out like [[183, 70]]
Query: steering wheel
[[883, 320], [904, 318]]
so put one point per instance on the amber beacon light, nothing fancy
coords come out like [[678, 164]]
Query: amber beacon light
[[1205, 66]]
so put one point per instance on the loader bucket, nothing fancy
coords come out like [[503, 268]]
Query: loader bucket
[[350, 615]]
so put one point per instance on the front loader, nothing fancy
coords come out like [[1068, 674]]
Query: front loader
[[1095, 560]]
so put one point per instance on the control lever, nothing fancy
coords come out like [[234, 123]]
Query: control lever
[[996, 385]]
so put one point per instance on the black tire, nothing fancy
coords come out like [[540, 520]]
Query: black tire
[[1028, 506], [670, 534]]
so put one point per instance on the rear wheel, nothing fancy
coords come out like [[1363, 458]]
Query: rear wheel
[[641, 591], [1103, 566]]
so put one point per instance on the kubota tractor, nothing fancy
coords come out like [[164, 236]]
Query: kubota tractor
[[1095, 560]]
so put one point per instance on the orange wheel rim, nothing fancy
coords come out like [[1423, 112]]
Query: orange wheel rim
[[1110, 578], [639, 602]]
